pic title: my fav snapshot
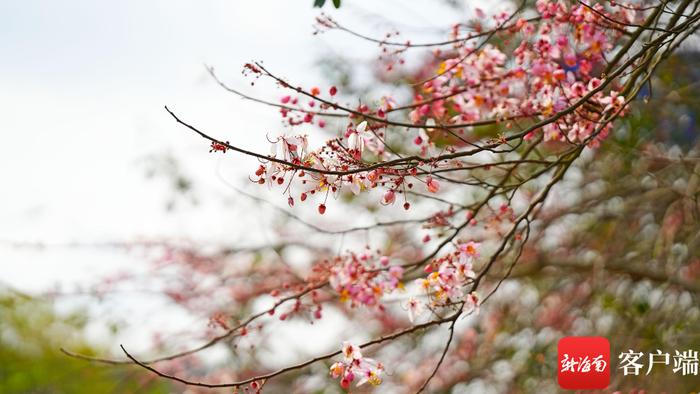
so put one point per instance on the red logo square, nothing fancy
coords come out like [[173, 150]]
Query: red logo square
[[584, 363]]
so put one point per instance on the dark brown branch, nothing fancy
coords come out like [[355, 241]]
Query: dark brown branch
[[442, 357], [409, 44], [293, 367], [208, 344], [269, 103]]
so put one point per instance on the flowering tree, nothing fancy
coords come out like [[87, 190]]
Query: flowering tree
[[479, 167]]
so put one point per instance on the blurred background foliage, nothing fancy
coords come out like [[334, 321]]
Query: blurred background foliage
[[620, 257], [617, 255], [620, 260], [31, 335]]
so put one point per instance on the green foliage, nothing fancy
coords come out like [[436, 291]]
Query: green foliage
[[321, 3], [31, 334]]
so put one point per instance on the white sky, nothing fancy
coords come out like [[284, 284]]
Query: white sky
[[82, 86]]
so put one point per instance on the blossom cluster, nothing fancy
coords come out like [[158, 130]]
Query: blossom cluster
[[553, 68], [363, 279], [554, 75], [293, 149], [355, 366], [446, 281]]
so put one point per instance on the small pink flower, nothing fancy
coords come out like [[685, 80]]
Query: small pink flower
[[471, 304], [594, 83], [384, 260], [414, 308], [396, 271], [351, 352], [389, 197], [353, 363], [470, 249], [432, 184], [337, 369]]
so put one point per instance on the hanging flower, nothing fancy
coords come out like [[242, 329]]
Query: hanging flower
[[354, 365], [357, 140], [414, 308], [432, 185], [389, 197], [471, 304]]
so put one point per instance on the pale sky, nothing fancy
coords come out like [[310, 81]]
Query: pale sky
[[82, 89]]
